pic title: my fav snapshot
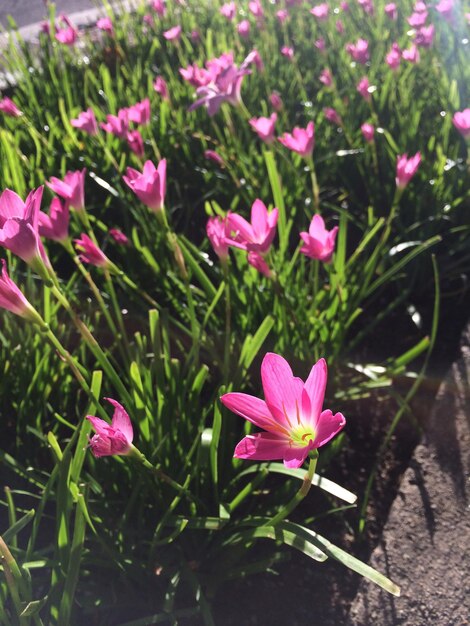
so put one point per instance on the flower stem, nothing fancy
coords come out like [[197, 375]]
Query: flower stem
[[300, 495]]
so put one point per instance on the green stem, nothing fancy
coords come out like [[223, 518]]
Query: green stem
[[300, 495], [315, 187]]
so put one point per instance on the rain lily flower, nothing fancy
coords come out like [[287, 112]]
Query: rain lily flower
[[359, 51], [339, 27], [114, 438], [196, 76], [275, 101], [257, 261], [319, 243], [264, 127], [161, 88], [291, 415], [320, 11], [254, 58], [118, 236], [368, 132], [332, 116], [225, 83], [406, 169], [461, 121], [67, 35], [301, 140], [214, 156], [367, 6], [393, 57], [320, 44], [257, 236], [256, 8], [173, 34], [90, 253], [150, 185], [8, 107], [218, 230], [86, 121], [416, 20], [12, 299], [159, 7], [243, 28], [140, 112], [72, 188], [425, 36], [411, 54], [55, 226], [420, 7], [363, 89], [136, 143], [228, 10], [19, 223], [326, 78], [391, 11], [282, 15], [344, 6], [288, 52], [445, 8], [106, 24], [117, 124]]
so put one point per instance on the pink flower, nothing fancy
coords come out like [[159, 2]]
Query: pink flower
[[228, 10], [332, 116], [445, 8], [393, 57], [196, 76], [320, 11], [367, 6], [461, 121], [217, 229], [12, 299], [55, 226], [173, 34], [256, 9], [391, 11], [115, 438], [72, 188], [118, 236], [363, 88], [243, 28], [264, 127], [19, 224], [368, 132], [319, 243], [68, 35], [288, 52], [416, 20], [214, 156], [86, 121], [276, 101], [8, 107], [411, 54], [254, 58], [90, 253], [406, 169], [320, 44], [257, 236], [359, 51], [159, 7], [224, 85], [425, 36], [257, 261], [282, 15], [326, 78], [106, 24], [339, 27], [291, 414], [344, 6], [117, 124], [301, 140], [161, 88], [139, 112], [420, 7], [136, 143], [150, 185]]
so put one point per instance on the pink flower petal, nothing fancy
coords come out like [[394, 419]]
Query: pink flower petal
[[315, 386], [121, 420], [252, 409], [283, 391], [327, 427], [295, 457], [261, 447]]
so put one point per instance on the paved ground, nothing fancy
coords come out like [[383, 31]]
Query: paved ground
[[425, 547], [26, 12]]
